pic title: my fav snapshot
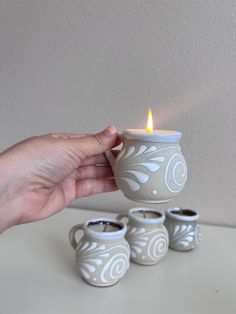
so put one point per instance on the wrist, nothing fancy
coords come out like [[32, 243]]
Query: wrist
[[8, 216], [5, 219]]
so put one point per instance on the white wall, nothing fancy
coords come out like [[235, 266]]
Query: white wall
[[80, 65]]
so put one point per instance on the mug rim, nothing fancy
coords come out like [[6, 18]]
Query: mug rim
[[148, 221], [141, 135], [193, 217], [114, 235]]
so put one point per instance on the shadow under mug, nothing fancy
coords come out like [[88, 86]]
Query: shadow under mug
[[149, 170], [102, 253]]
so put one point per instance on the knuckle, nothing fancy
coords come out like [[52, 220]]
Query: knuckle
[[90, 188], [54, 134], [98, 138], [59, 135]]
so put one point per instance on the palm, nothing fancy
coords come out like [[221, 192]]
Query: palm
[[48, 175], [43, 202]]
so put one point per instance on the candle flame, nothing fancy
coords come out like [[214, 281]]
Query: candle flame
[[149, 128]]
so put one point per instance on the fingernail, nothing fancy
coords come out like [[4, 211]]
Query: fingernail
[[110, 130]]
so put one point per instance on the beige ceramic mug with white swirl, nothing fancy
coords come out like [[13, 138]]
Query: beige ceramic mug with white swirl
[[183, 229], [102, 254], [150, 168], [146, 235]]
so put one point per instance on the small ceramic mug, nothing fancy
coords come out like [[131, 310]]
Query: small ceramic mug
[[149, 169], [146, 234], [102, 254], [184, 232]]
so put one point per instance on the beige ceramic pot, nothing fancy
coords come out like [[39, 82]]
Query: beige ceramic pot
[[102, 254], [184, 231], [146, 234], [150, 168]]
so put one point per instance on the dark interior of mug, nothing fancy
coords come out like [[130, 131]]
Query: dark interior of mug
[[147, 214], [104, 226], [184, 212]]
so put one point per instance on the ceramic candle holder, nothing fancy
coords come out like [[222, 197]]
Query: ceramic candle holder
[[150, 167], [102, 254], [184, 232], [146, 234]]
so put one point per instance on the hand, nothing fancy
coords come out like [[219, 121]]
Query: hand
[[42, 175]]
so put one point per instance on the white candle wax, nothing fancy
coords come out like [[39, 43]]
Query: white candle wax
[[104, 226], [157, 136], [148, 214]]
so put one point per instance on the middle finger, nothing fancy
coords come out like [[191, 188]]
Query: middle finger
[[94, 172], [99, 159]]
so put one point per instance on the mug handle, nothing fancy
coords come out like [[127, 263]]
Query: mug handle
[[110, 158], [74, 243], [121, 216]]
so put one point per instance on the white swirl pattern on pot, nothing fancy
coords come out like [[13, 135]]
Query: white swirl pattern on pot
[[175, 174], [115, 268], [158, 245], [100, 263], [198, 234], [147, 245]]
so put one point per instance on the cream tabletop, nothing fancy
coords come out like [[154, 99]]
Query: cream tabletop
[[38, 274]]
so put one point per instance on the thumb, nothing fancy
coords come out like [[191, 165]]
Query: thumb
[[96, 143]]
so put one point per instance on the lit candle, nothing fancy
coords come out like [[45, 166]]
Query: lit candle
[[150, 135], [150, 121], [150, 167]]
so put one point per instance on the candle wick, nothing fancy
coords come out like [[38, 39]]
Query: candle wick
[[105, 228]]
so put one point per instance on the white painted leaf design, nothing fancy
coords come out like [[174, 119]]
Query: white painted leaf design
[[129, 152], [121, 153], [149, 245], [179, 229], [104, 255], [92, 246], [96, 261], [136, 248], [84, 273], [141, 149], [91, 268], [150, 166], [131, 230], [137, 176], [181, 235], [151, 149], [140, 176], [134, 186], [86, 244], [140, 243], [111, 264], [158, 158], [140, 230], [184, 243]]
